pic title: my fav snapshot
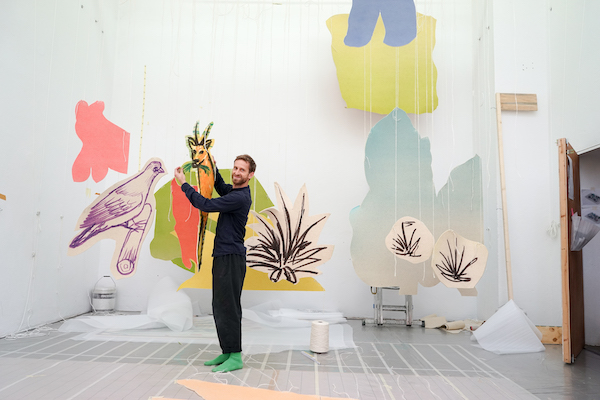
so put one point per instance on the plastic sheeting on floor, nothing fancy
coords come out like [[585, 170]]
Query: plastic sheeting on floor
[[509, 331], [265, 328], [166, 308]]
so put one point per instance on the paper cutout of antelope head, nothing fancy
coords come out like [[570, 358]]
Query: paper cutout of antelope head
[[204, 166]]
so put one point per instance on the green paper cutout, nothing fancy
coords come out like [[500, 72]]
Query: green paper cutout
[[165, 245]]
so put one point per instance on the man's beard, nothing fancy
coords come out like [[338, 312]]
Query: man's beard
[[240, 182]]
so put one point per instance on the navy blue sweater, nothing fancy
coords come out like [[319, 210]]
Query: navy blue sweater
[[233, 207]]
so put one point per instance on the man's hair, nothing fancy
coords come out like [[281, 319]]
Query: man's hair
[[249, 160]]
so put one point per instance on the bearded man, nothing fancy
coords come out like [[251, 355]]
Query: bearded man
[[229, 255]]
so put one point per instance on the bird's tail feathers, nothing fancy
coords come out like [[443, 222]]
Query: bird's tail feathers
[[87, 234]]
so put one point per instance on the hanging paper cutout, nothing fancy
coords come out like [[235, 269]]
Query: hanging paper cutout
[[286, 246], [398, 16], [398, 171], [105, 145], [123, 212], [187, 226], [165, 245], [459, 262], [204, 167], [220, 391], [410, 240], [377, 78]]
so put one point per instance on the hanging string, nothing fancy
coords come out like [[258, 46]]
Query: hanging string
[[564, 82], [515, 84], [432, 89], [395, 116], [69, 127], [581, 42], [485, 33], [417, 110], [142, 127], [365, 86], [37, 172]]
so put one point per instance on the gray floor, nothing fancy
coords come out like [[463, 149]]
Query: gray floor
[[390, 362]]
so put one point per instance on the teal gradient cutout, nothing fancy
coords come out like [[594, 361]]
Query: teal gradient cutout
[[398, 170]]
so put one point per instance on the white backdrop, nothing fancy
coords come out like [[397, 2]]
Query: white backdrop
[[264, 73]]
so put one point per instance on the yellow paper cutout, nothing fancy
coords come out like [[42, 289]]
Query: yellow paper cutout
[[220, 391], [378, 78], [255, 280]]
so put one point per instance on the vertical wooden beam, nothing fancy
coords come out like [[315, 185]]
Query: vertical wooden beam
[[503, 193], [509, 102], [564, 246]]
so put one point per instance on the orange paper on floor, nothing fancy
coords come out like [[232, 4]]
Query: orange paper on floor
[[220, 391]]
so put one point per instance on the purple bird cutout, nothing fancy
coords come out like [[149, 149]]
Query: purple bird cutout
[[123, 213]]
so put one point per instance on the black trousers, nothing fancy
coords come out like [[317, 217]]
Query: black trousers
[[228, 273]]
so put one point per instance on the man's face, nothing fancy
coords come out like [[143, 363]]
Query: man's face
[[240, 175]]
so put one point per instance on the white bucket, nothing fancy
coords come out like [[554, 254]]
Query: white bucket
[[103, 298]]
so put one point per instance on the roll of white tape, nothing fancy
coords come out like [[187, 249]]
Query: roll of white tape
[[319, 337]]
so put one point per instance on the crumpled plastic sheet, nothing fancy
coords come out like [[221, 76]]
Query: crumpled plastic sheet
[[266, 327], [166, 308], [509, 331]]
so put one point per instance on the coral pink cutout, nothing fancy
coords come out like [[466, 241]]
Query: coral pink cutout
[[187, 220], [105, 145]]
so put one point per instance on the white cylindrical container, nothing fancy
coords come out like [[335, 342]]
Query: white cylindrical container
[[319, 337], [104, 297]]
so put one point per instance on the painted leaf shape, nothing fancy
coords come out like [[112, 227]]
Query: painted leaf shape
[[286, 244]]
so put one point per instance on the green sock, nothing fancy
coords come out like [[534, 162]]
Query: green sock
[[219, 360], [233, 362]]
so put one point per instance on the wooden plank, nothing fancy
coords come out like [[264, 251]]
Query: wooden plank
[[571, 261], [564, 249], [551, 334], [518, 102], [503, 192], [509, 102], [575, 264]]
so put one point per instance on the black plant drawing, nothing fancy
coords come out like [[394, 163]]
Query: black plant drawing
[[287, 248], [410, 240], [404, 246], [452, 264]]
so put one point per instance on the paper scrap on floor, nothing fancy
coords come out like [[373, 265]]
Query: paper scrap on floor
[[434, 322], [220, 391]]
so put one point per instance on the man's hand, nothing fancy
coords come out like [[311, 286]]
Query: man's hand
[[179, 176]]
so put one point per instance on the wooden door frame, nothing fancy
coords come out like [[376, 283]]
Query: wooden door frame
[[571, 261]]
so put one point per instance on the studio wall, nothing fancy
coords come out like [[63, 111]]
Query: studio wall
[[264, 73]]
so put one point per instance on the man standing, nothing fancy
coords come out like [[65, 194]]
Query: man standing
[[229, 255]]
